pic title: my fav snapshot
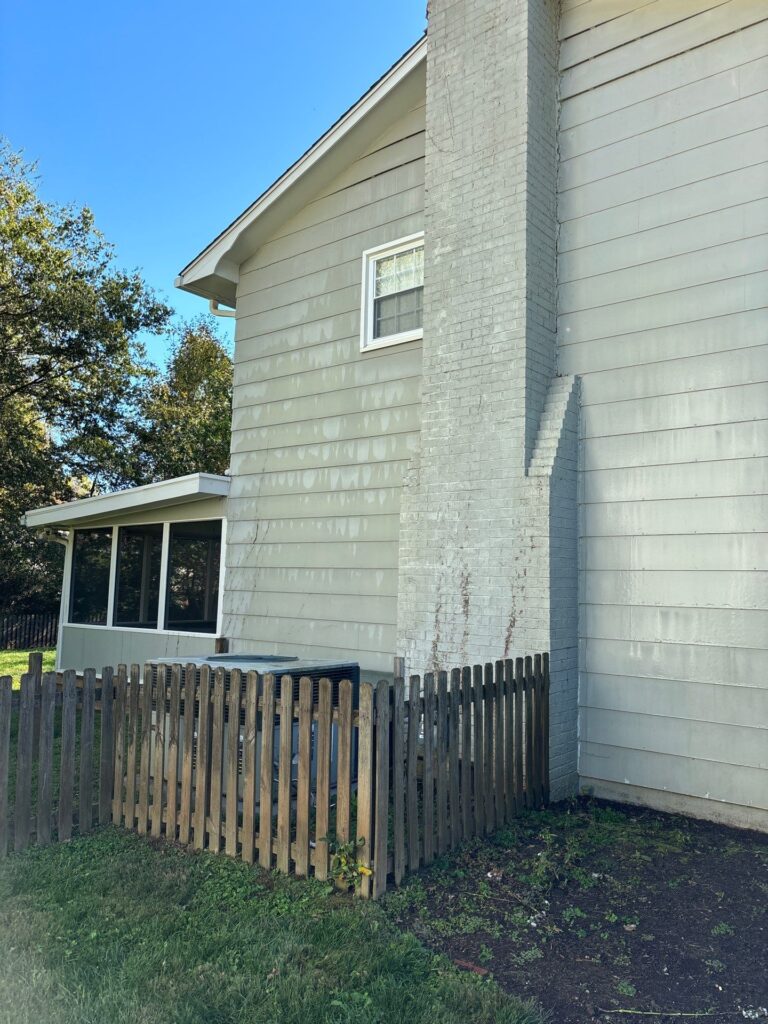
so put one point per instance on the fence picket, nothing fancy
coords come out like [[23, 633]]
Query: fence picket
[[157, 761], [132, 750], [323, 791], [365, 811], [249, 765], [453, 757], [467, 815], [85, 806], [489, 701], [344, 765], [509, 739], [442, 762], [145, 751], [203, 759], [217, 757], [67, 772], [45, 763], [233, 752], [398, 778], [545, 729], [529, 789], [381, 793], [187, 754], [428, 792], [26, 723], [172, 757], [414, 721], [267, 771], [519, 761], [478, 761], [304, 777], [5, 747], [119, 723], [498, 742], [284, 776], [107, 752], [538, 782]]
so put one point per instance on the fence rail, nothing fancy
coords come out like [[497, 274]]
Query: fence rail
[[21, 632], [277, 770]]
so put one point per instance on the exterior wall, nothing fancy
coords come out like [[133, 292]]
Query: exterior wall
[[662, 258], [322, 433], [95, 646], [480, 553]]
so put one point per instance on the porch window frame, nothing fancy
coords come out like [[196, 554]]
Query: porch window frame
[[66, 593]]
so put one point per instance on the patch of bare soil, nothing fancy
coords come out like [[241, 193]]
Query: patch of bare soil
[[605, 914]]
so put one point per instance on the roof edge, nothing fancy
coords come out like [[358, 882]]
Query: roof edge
[[210, 274], [192, 487]]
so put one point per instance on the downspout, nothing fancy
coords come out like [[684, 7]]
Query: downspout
[[213, 307]]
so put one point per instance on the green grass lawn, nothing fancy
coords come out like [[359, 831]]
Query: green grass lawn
[[111, 927], [14, 663]]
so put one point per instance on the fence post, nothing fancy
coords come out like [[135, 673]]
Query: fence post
[[365, 822]]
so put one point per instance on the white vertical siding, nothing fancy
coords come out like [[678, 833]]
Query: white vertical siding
[[322, 433], [663, 204]]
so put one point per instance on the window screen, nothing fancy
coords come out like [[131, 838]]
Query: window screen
[[193, 576], [91, 557], [137, 594]]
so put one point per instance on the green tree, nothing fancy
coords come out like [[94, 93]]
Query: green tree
[[72, 369], [186, 412]]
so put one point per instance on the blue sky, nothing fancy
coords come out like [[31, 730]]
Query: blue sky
[[169, 119]]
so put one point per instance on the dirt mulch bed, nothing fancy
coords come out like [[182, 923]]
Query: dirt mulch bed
[[597, 910]]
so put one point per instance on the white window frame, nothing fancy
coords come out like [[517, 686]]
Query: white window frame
[[165, 551], [370, 258]]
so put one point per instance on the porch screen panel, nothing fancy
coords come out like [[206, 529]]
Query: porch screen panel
[[91, 557], [137, 594], [193, 576]]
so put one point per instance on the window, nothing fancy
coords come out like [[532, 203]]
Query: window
[[393, 291], [91, 557], [193, 576], [166, 576], [137, 594]]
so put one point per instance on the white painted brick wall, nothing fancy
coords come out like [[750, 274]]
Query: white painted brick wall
[[488, 550]]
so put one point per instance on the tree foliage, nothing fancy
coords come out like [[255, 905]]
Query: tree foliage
[[82, 409], [186, 411]]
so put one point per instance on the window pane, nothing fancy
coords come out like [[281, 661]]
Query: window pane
[[193, 576], [90, 576], [138, 576], [394, 314], [398, 272]]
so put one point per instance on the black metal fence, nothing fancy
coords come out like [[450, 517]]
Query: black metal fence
[[23, 632]]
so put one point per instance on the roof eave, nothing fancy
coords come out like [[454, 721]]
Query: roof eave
[[214, 273], [179, 490]]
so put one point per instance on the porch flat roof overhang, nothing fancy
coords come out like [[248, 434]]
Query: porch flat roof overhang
[[105, 507]]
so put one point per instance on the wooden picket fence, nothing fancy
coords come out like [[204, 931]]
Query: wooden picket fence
[[282, 771], [20, 632]]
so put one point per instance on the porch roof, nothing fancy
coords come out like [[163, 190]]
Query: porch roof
[[105, 507]]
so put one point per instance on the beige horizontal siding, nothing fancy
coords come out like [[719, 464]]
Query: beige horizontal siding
[[663, 253], [322, 433]]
